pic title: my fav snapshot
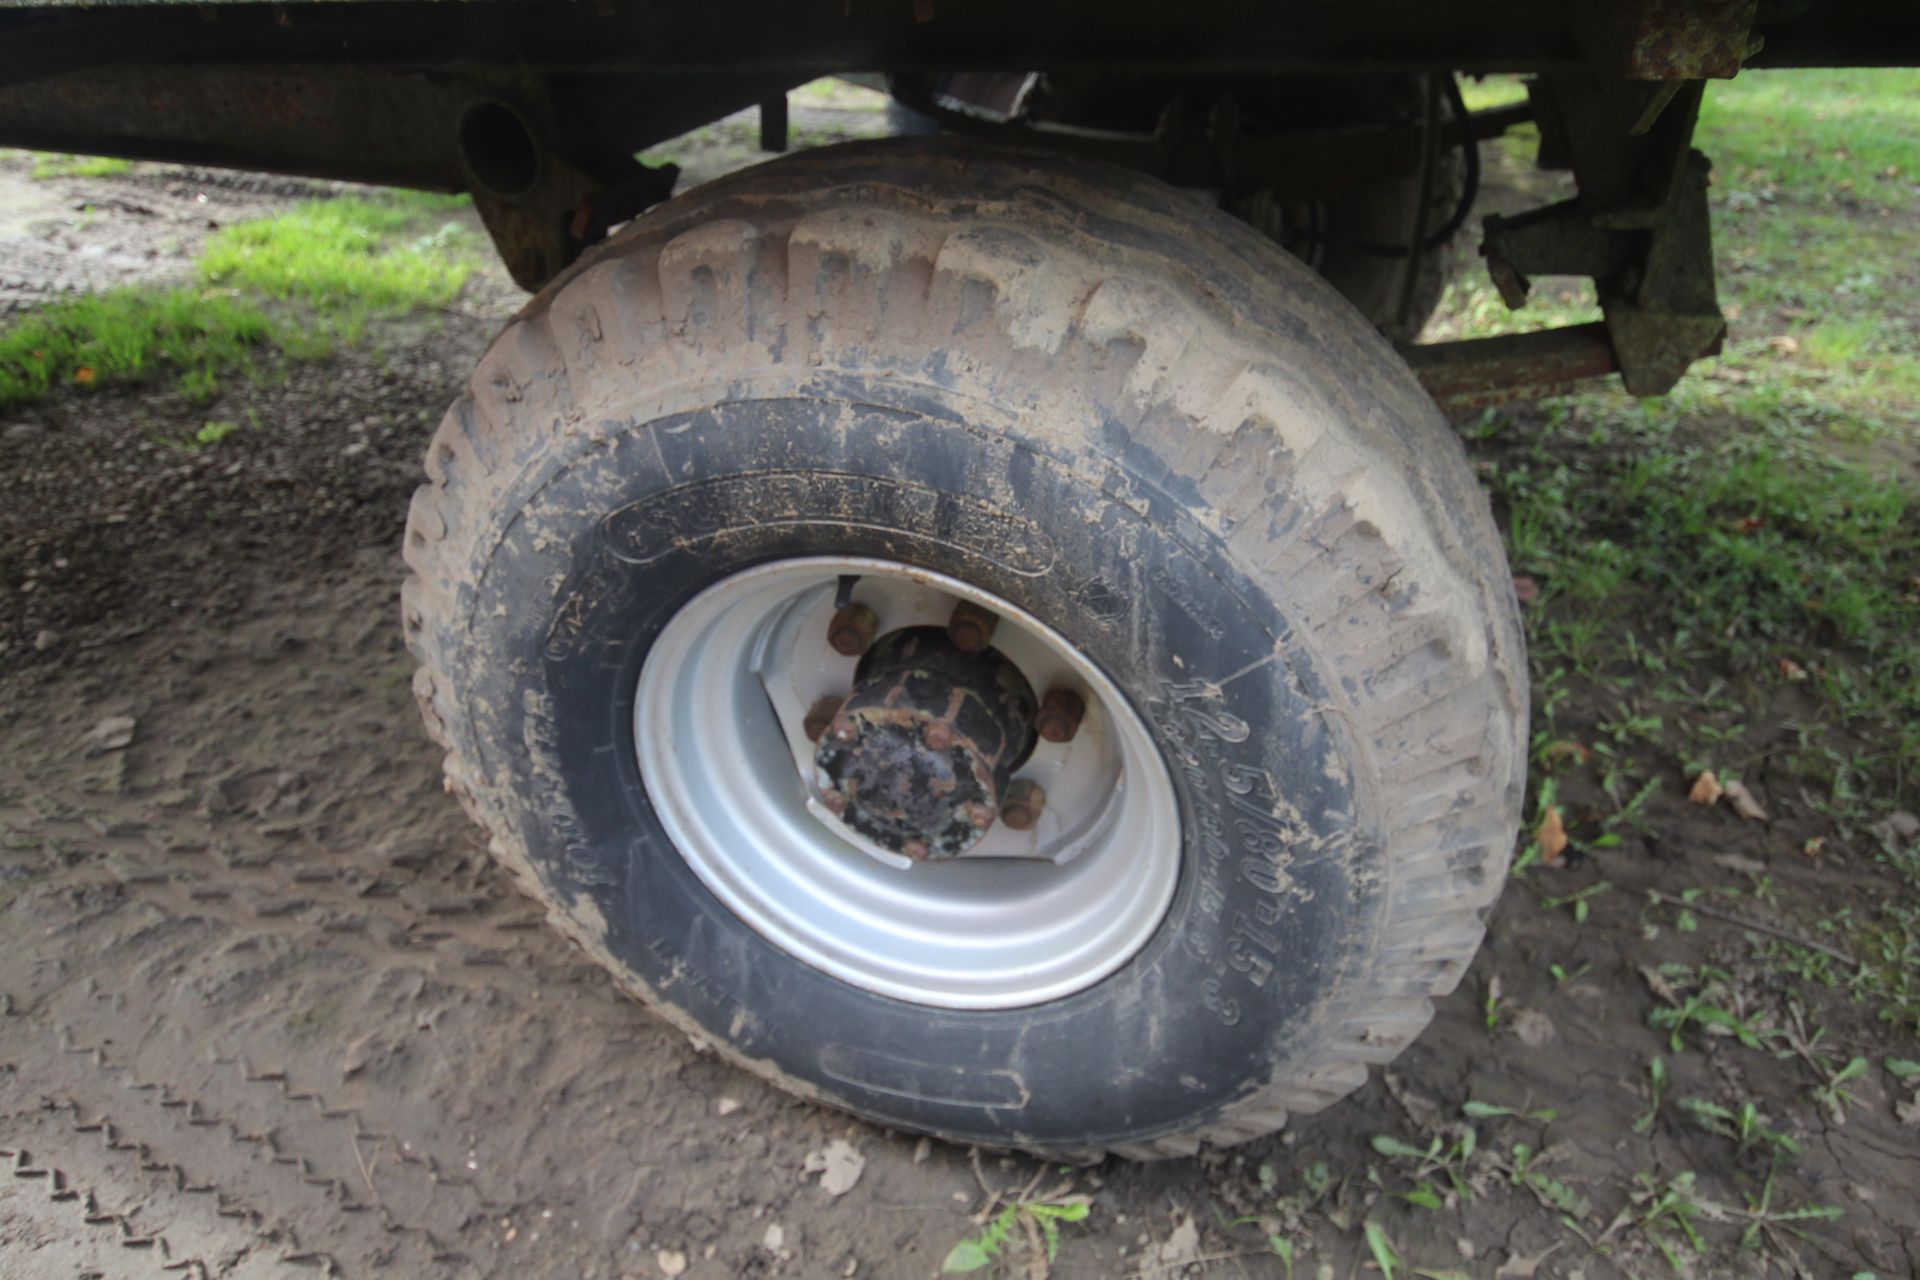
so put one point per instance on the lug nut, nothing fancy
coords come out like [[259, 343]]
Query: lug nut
[[819, 716], [1060, 714], [1021, 809], [971, 627], [852, 629]]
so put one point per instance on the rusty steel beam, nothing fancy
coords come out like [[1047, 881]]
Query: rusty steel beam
[[1477, 373], [398, 129]]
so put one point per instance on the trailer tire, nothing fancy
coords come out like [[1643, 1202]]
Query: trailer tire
[[1138, 426]]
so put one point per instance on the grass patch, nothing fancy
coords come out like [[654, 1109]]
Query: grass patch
[[346, 257], [295, 286], [1665, 540], [127, 335], [47, 165], [1813, 137]]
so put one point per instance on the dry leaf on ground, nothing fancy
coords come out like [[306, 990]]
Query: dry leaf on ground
[[1743, 801], [1706, 788], [1658, 984], [1552, 836], [1181, 1248]]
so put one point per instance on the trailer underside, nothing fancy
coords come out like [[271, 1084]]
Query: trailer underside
[[539, 109]]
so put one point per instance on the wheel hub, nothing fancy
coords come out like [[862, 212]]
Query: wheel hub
[[919, 756], [748, 680]]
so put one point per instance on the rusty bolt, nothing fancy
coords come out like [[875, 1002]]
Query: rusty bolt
[[1021, 809], [971, 627], [981, 816], [1060, 714], [819, 716], [851, 630]]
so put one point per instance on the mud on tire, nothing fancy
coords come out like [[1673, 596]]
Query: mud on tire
[[1138, 421]]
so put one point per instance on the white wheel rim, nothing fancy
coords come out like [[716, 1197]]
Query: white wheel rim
[[1025, 918]]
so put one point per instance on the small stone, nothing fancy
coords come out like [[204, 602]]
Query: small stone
[[671, 1262], [774, 1239], [838, 1165], [1534, 1028], [111, 734], [45, 641], [726, 1106], [922, 1150]]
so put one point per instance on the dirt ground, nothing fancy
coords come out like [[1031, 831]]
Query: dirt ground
[[266, 1006]]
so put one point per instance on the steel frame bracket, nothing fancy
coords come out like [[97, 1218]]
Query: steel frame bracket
[[1639, 228]]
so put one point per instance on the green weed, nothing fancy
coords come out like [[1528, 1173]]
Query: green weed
[[1700, 998], [1667, 1209], [1038, 1217], [1746, 1126], [1523, 1170], [1436, 1158]]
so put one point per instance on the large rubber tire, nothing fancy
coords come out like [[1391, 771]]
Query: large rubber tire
[[1135, 419]]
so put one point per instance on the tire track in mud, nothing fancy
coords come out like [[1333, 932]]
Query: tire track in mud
[[341, 1017], [307, 1159], [273, 1153]]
